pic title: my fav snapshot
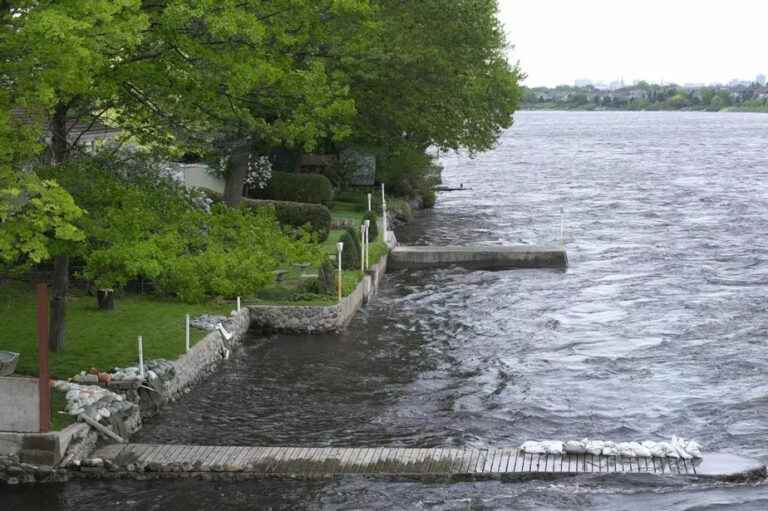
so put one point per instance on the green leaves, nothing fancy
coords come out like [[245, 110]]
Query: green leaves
[[34, 215], [434, 74]]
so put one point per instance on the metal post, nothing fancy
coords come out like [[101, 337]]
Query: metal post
[[362, 247], [43, 379], [369, 202], [141, 357], [367, 246], [339, 248], [187, 331], [384, 212], [562, 226], [238, 304]]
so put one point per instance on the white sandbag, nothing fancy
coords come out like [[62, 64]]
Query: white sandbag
[[553, 447], [575, 447], [533, 447], [595, 447]]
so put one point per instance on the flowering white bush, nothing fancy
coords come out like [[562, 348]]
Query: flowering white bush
[[259, 171]]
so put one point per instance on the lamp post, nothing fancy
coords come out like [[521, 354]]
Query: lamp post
[[187, 332], [339, 249], [362, 247], [384, 212], [367, 226], [141, 357]]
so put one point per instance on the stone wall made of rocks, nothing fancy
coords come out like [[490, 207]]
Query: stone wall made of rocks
[[316, 319], [189, 368]]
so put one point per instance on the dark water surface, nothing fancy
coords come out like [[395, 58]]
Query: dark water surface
[[658, 327]]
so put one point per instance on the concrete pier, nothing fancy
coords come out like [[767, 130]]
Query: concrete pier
[[478, 257], [141, 461]]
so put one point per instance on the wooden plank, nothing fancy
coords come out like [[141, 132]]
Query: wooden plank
[[458, 460], [220, 458], [481, 455], [500, 465], [431, 460], [346, 454], [288, 461], [158, 454], [368, 460], [490, 460], [206, 456], [275, 459]]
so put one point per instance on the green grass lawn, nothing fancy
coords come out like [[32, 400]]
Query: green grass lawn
[[94, 338], [350, 211]]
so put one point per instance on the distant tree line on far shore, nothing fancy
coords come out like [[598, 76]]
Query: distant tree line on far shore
[[647, 96]]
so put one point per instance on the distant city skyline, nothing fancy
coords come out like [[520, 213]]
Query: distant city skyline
[[683, 42]]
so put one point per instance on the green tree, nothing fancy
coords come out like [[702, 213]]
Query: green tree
[[57, 67], [434, 73], [234, 78]]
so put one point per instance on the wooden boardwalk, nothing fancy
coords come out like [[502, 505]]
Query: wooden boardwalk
[[308, 462]]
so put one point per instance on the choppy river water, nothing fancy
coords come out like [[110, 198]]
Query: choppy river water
[[658, 327]]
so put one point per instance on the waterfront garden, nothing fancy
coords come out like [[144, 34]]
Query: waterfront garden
[[102, 103]]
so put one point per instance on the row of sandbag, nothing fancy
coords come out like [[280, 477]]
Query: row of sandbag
[[676, 448]]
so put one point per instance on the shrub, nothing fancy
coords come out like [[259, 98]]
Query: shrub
[[355, 235], [408, 172], [287, 186], [428, 199], [326, 278], [350, 256], [373, 229], [297, 214]]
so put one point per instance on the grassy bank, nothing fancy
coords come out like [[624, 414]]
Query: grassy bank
[[94, 338], [289, 287]]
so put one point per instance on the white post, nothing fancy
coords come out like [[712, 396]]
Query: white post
[[238, 304], [369, 202], [339, 248], [562, 227], [367, 259], [384, 212], [362, 247], [141, 357], [187, 331]]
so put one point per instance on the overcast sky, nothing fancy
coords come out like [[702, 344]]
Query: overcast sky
[[560, 41]]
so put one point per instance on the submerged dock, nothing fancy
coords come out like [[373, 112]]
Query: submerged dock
[[479, 257], [181, 461]]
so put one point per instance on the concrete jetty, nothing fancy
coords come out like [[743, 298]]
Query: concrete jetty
[[183, 461], [478, 257]]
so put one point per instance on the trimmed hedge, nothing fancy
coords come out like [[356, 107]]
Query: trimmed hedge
[[297, 214], [287, 186]]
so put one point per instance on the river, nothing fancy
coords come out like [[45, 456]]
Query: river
[[658, 327]]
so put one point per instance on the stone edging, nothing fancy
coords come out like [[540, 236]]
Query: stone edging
[[317, 319]]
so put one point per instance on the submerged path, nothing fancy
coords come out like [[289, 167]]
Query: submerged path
[[327, 462]]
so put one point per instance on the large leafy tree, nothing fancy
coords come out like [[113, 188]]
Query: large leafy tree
[[436, 73], [57, 70], [231, 78]]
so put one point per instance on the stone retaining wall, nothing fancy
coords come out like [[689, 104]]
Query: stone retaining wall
[[316, 319], [201, 360]]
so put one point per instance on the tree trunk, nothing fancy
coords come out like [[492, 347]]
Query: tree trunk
[[59, 154], [59, 143], [238, 170], [105, 298], [58, 302]]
